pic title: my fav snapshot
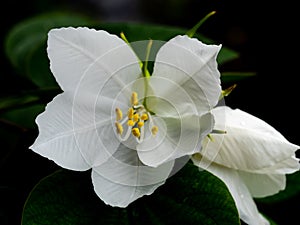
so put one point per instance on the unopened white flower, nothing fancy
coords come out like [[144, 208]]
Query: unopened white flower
[[252, 159], [128, 127]]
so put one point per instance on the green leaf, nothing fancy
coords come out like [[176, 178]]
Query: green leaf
[[292, 189], [22, 108], [228, 77], [26, 44], [24, 117], [11, 102], [189, 197], [27, 98], [227, 55]]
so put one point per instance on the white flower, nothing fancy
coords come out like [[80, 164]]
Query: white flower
[[128, 127], [252, 159]]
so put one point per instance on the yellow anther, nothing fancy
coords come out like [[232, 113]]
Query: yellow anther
[[154, 130], [119, 114], [140, 124], [136, 132], [119, 128], [134, 98], [130, 113], [135, 117], [144, 116], [130, 123]]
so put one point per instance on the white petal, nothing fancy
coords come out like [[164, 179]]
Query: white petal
[[262, 185], [245, 204], [192, 65], [72, 50], [176, 137], [123, 178], [177, 104], [286, 166], [69, 145], [250, 144], [56, 140], [93, 67]]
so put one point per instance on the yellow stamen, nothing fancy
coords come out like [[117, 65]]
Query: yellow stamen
[[119, 114], [119, 128], [154, 130], [136, 132], [134, 99], [130, 113], [144, 116], [140, 124], [135, 117], [130, 123]]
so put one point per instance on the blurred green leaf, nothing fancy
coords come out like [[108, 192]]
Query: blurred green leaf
[[189, 197], [24, 117], [227, 55], [27, 98], [26, 44], [17, 101], [21, 109], [228, 77], [292, 189]]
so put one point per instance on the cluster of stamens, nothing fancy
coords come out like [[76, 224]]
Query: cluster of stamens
[[136, 118]]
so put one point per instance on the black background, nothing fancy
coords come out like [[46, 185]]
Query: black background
[[265, 36]]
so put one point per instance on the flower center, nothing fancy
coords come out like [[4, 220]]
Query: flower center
[[136, 120]]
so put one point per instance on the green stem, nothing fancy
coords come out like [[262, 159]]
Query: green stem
[[122, 35], [146, 72], [145, 67], [192, 31]]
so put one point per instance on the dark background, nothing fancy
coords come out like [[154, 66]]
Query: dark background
[[264, 35]]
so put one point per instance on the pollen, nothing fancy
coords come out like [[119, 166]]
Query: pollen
[[144, 116], [130, 113], [130, 123], [140, 124], [135, 117], [119, 114], [136, 132], [154, 130], [119, 128], [134, 98]]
